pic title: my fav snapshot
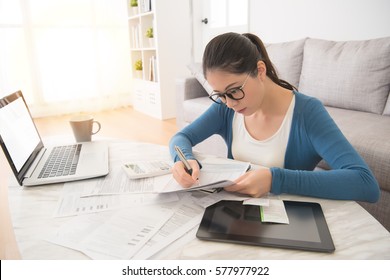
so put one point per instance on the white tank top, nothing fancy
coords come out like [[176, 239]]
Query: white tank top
[[269, 152]]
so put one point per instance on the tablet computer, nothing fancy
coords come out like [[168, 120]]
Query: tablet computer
[[231, 221]]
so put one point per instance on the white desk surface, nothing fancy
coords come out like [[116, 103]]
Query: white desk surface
[[356, 234]]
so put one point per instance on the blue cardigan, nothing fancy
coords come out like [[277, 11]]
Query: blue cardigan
[[313, 136]]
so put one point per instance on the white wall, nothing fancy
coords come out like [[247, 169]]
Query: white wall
[[285, 20]]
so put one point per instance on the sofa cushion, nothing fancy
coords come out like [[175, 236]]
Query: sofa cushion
[[287, 58], [197, 72], [369, 134], [351, 75], [195, 107]]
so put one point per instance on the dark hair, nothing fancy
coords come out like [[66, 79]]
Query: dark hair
[[236, 53]]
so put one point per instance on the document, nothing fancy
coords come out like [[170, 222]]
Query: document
[[275, 212], [215, 174], [112, 235], [186, 216], [218, 196], [74, 201], [257, 201]]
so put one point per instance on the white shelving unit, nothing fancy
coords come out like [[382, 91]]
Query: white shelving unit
[[164, 58]]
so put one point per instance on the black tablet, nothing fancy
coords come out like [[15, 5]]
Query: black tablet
[[231, 221]]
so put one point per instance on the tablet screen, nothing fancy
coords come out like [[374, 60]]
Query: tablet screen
[[231, 221]]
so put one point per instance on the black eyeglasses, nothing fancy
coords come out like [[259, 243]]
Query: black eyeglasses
[[236, 93]]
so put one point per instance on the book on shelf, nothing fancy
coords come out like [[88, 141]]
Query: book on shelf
[[145, 5], [153, 69], [135, 36]]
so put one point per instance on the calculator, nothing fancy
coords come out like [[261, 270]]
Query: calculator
[[144, 169]]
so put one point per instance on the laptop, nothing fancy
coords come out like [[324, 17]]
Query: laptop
[[33, 163]]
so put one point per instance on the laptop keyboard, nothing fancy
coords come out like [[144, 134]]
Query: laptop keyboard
[[62, 161]]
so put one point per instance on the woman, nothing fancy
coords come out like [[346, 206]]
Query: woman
[[265, 121]]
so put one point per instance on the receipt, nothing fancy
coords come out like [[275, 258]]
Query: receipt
[[275, 212]]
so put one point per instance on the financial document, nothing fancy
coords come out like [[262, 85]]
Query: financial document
[[187, 215], [76, 199], [112, 235], [214, 174]]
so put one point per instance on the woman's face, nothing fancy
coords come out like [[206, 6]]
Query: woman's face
[[222, 81]]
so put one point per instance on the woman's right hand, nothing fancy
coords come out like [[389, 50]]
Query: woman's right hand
[[182, 177]]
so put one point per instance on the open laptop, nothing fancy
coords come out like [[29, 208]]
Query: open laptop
[[29, 158]]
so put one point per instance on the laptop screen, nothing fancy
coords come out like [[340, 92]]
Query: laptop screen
[[17, 130]]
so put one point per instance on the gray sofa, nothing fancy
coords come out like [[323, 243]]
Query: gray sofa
[[351, 78]]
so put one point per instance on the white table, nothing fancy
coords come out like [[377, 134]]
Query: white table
[[356, 234]]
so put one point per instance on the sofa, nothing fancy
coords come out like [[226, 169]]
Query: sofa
[[351, 78]]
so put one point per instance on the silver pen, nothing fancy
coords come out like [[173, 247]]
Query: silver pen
[[183, 160]]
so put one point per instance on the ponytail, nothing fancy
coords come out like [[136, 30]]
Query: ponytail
[[263, 56]]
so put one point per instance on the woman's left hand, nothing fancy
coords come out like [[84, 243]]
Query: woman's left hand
[[255, 183]]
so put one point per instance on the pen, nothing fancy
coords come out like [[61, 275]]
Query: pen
[[183, 160]]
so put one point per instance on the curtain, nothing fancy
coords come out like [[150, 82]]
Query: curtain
[[65, 55]]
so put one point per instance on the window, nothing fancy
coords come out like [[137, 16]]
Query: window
[[225, 13], [65, 55]]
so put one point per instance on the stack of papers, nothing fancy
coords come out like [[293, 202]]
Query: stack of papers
[[136, 219]]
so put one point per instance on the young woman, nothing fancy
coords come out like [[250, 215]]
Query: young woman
[[265, 121]]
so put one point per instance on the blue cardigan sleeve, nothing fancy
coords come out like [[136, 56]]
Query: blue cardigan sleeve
[[315, 136], [215, 120]]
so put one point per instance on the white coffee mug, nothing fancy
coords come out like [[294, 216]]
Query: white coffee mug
[[82, 126]]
